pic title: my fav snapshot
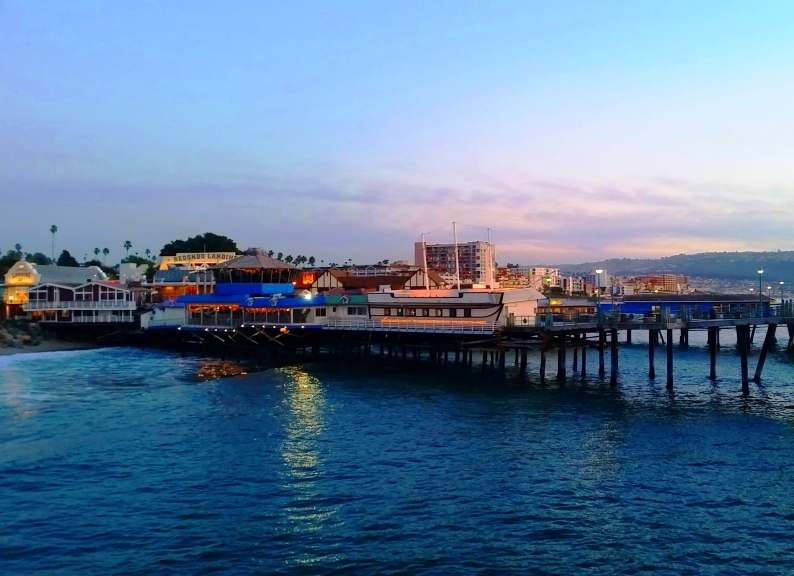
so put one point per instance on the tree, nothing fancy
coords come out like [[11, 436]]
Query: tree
[[105, 253], [127, 246], [96, 252], [288, 259], [386, 262], [148, 252], [208, 242], [66, 259], [280, 256], [38, 258], [53, 230], [18, 249], [312, 260], [270, 253]]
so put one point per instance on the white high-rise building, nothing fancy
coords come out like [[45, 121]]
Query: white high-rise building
[[476, 260]]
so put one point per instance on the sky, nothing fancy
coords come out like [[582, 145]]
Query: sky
[[574, 130]]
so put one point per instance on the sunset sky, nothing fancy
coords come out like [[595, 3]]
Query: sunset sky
[[575, 130]]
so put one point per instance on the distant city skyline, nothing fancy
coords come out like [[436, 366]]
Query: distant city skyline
[[576, 131]]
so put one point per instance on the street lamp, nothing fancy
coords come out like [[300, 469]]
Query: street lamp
[[760, 289], [598, 294], [781, 291]]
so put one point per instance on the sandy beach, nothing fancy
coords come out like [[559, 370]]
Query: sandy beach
[[48, 346]]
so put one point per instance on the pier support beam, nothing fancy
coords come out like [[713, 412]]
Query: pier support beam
[[584, 360], [523, 369], [743, 343], [628, 337], [575, 361], [713, 353], [683, 339], [651, 349], [561, 351], [502, 356], [669, 359], [769, 341], [543, 365], [601, 338], [613, 361]]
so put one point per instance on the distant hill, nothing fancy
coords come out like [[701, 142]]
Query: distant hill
[[724, 265]]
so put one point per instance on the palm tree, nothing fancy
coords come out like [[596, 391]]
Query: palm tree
[[105, 253], [18, 248], [96, 252], [127, 246], [147, 253], [270, 253], [312, 260], [53, 230], [280, 256], [288, 259]]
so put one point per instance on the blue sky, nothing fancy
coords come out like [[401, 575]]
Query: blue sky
[[575, 130]]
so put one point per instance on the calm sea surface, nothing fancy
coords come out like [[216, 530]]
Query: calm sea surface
[[123, 461]]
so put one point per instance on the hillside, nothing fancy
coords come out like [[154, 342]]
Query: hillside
[[728, 265]]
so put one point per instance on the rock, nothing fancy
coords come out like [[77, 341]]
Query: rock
[[24, 338], [16, 343]]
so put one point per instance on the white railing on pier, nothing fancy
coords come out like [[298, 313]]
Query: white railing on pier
[[101, 319], [81, 305], [444, 327]]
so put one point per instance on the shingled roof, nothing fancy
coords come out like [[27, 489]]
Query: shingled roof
[[253, 258]]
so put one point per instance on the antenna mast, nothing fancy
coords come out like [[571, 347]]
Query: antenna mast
[[457, 265], [424, 258], [491, 279]]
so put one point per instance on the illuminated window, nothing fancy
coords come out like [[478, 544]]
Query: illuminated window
[[425, 311], [410, 311], [400, 312]]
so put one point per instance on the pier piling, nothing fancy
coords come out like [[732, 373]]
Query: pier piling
[[669, 359], [613, 361], [769, 341], [743, 343], [713, 353], [601, 338], [652, 339]]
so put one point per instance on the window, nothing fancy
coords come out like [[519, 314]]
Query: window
[[453, 312], [425, 311], [351, 311], [362, 310], [387, 311], [439, 312], [467, 313], [410, 311], [321, 312], [400, 312]]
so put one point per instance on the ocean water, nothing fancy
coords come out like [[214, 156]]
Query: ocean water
[[123, 461]]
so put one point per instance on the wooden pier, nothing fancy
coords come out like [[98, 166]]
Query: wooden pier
[[458, 346]]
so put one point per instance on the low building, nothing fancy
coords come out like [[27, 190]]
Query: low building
[[22, 276], [90, 302]]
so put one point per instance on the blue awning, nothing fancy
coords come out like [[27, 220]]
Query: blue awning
[[285, 302], [215, 299]]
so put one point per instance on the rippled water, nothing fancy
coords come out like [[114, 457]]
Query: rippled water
[[119, 460]]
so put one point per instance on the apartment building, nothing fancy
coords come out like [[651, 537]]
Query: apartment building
[[476, 260]]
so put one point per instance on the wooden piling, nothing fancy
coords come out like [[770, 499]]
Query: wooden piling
[[743, 342], [628, 337], [601, 338], [669, 359], [575, 368], [651, 349], [584, 361], [561, 352], [613, 362], [769, 341], [543, 364], [713, 353]]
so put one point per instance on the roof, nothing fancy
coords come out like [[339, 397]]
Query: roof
[[394, 281], [253, 258], [177, 275], [69, 274]]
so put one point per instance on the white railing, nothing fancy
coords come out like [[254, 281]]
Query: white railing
[[81, 305], [104, 318], [446, 327]]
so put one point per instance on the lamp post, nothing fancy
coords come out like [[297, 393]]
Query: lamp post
[[760, 288], [781, 291], [598, 294]]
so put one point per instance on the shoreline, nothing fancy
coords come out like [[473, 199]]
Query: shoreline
[[49, 346]]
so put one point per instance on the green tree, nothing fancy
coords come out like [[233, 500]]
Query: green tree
[[288, 259], [279, 256], [105, 253], [148, 252], [312, 260], [18, 249], [127, 246], [96, 252], [38, 258], [270, 253], [53, 230], [208, 242], [66, 259]]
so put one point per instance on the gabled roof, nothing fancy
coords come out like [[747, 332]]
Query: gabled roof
[[253, 258], [69, 274]]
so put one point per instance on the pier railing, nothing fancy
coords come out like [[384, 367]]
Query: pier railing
[[81, 305], [427, 326]]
